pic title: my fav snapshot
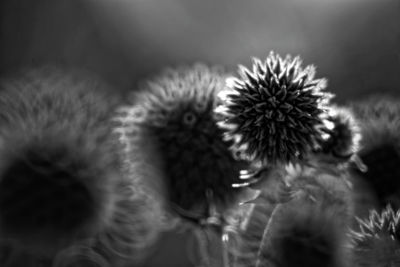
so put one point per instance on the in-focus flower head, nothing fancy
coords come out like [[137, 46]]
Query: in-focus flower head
[[274, 112]]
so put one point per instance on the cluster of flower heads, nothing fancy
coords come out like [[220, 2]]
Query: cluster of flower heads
[[278, 113], [190, 133], [274, 113]]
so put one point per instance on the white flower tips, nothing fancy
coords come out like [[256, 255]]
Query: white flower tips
[[277, 108]]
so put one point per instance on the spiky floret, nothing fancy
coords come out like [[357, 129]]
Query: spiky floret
[[378, 225], [274, 111], [342, 136], [177, 115], [377, 242]]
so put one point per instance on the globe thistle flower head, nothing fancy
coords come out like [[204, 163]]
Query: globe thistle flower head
[[379, 121], [377, 242], [62, 176], [177, 115], [342, 136], [59, 162], [274, 111]]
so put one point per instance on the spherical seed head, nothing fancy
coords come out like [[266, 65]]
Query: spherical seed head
[[273, 111], [377, 241], [178, 116]]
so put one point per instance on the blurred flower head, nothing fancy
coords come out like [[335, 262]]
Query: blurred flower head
[[177, 115], [63, 186], [379, 122], [342, 136]]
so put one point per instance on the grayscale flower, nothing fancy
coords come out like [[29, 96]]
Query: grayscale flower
[[274, 111], [177, 118], [376, 243], [342, 134]]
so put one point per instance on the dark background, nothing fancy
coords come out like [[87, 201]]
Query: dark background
[[354, 43]]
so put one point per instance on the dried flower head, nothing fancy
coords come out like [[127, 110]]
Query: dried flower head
[[377, 242], [274, 111], [177, 116]]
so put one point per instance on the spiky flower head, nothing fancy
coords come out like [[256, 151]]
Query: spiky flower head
[[273, 112], [342, 134], [59, 160], [62, 181], [377, 242], [379, 120], [177, 115]]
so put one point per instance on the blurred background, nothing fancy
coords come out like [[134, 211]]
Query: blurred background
[[354, 43]]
